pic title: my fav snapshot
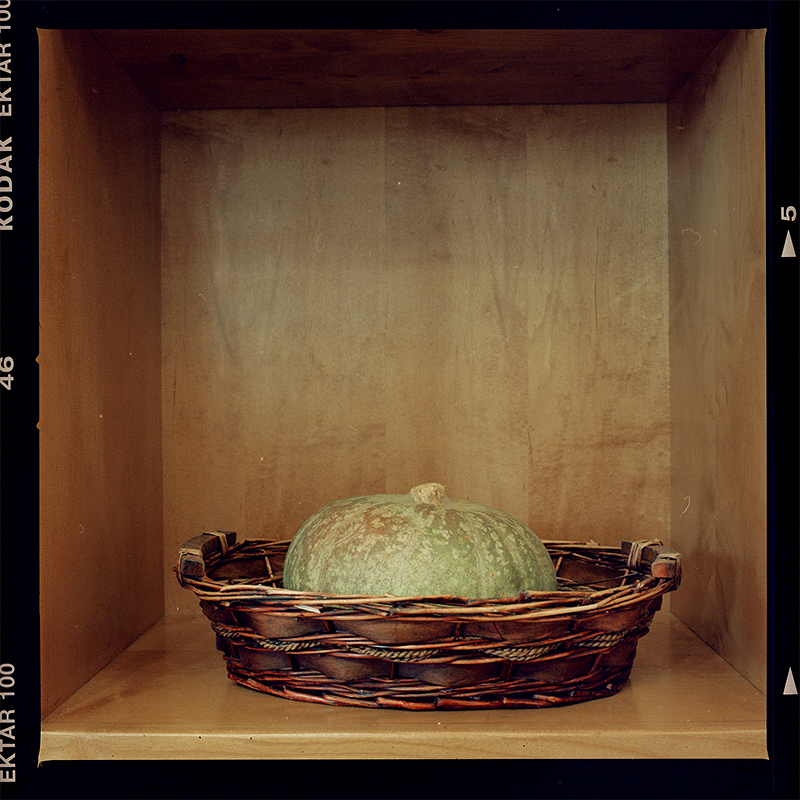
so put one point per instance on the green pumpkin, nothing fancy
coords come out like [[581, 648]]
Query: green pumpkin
[[421, 544]]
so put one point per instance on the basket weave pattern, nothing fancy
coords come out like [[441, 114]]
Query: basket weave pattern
[[425, 653]]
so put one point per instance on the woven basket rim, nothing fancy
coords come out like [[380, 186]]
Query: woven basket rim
[[636, 562]]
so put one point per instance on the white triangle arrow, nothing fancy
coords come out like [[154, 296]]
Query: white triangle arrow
[[788, 247], [791, 686]]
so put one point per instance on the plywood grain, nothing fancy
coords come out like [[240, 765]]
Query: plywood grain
[[457, 289], [193, 69], [718, 351], [597, 351], [100, 379], [273, 358], [360, 300], [531, 348]]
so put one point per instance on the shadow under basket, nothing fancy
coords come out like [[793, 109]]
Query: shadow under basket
[[427, 653]]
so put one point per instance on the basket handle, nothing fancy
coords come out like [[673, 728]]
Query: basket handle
[[192, 556], [664, 562]]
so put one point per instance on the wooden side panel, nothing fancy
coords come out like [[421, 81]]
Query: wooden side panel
[[100, 429], [718, 351], [359, 300]]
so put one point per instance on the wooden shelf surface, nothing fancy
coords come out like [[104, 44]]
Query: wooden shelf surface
[[168, 697]]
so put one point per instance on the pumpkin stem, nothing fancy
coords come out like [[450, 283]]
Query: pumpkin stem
[[430, 493]]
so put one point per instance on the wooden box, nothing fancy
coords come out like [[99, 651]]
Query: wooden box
[[305, 265]]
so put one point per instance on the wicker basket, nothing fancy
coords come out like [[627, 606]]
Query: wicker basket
[[426, 653]]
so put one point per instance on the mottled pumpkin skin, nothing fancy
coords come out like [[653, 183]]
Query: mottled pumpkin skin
[[394, 544]]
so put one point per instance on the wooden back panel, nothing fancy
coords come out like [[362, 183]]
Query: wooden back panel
[[360, 300]]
